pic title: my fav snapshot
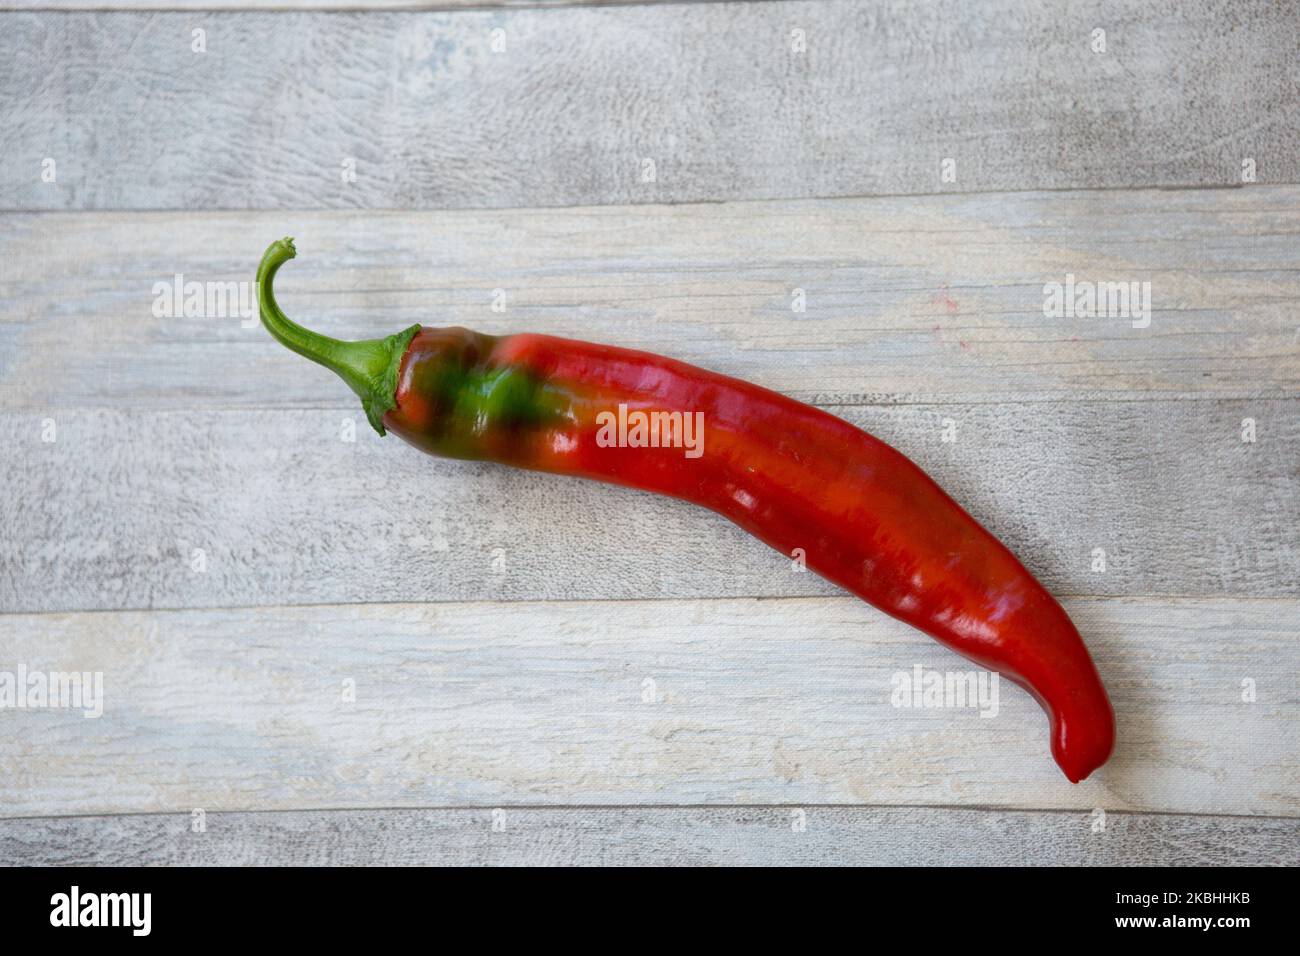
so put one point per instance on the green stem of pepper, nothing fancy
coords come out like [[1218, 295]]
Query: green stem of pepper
[[369, 367]]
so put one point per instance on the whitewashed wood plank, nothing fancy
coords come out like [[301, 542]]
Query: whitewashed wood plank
[[716, 95], [206, 509], [919, 299], [653, 836], [668, 702], [368, 6]]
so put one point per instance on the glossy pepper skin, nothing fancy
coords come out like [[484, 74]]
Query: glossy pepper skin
[[864, 515]]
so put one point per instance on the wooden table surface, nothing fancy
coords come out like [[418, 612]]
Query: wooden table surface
[[319, 646]]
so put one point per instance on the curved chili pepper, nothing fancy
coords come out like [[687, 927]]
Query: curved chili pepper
[[864, 515]]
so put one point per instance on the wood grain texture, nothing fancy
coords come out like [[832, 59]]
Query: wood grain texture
[[654, 836], [668, 702], [581, 97], [583, 650], [930, 299], [366, 6], [216, 509], [157, 453]]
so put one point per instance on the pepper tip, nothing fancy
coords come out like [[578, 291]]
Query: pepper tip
[[1081, 746]]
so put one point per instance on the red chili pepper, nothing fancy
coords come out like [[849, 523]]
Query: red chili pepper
[[864, 516]]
